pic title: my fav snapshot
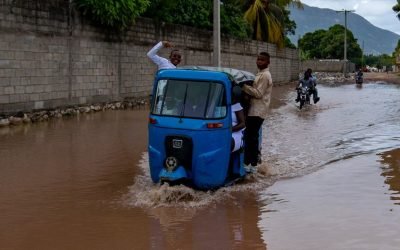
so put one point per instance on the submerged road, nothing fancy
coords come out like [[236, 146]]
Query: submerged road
[[329, 180]]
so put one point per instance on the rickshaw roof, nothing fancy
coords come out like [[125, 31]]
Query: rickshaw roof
[[213, 73], [237, 74]]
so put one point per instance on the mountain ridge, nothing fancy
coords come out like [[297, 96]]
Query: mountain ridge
[[310, 19]]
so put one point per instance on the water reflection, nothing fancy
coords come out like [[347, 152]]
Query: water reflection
[[346, 122], [231, 224], [61, 182], [390, 161], [343, 206]]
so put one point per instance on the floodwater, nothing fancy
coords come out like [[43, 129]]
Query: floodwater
[[330, 179]]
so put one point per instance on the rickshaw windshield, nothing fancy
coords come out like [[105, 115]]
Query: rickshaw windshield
[[192, 99]]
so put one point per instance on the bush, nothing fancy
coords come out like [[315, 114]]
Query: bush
[[114, 14]]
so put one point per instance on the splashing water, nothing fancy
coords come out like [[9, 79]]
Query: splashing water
[[145, 193]]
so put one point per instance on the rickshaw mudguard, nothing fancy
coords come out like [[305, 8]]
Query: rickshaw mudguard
[[237, 159], [156, 163], [211, 168]]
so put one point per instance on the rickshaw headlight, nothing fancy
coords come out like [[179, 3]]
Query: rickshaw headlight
[[171, 163]]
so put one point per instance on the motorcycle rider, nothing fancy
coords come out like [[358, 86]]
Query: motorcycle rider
[[310, 81], [359, 74]]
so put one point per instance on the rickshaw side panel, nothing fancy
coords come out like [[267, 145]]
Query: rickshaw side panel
[[156, 152]]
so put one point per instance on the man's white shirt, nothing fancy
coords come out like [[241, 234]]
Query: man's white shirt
[[162, 63]]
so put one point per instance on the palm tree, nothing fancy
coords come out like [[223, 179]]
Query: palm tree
[[267, 18], [396, 8]]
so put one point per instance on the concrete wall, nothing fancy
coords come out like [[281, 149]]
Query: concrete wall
[[48, 58], [327, 66]]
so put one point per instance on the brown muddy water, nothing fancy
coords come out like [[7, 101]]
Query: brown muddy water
[[330, 179]]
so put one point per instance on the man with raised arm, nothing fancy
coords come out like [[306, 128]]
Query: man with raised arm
[[164, 63]]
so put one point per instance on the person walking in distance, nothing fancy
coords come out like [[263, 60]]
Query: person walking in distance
[[175, 56], [260, 96]]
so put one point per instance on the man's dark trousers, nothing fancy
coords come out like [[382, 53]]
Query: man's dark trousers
[[251, 141]]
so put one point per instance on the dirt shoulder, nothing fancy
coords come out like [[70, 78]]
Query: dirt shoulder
[[382, 76]]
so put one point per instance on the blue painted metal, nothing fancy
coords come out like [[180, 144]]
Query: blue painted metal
[[211, 154], [178, 174]]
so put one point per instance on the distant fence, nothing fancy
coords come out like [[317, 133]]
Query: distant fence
[[328, 65]]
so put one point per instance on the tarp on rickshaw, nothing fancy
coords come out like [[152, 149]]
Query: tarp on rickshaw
[[239, 76]]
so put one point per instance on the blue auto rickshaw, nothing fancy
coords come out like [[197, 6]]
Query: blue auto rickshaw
[[190, 127]]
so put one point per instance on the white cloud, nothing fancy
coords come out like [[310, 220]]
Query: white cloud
[[377, 12]]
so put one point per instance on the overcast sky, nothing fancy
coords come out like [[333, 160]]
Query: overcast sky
[[377, 12]]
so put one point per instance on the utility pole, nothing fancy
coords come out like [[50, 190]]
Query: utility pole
[[362, 56], [345, 38], [299, 54], [217, 35]]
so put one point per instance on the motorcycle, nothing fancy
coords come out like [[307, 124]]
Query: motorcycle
[[189, 127], [359, 79], [304, 94]]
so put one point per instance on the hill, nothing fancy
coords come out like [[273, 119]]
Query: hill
[[376, 40]]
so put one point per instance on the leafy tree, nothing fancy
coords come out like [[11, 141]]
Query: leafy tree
[[267, 18], [396, 8], [161, 10], [329, 44], [114, 14], [387, 60], [397, 49], [199, 14], [334, 45], [289, 44], [289, 25], [379, 60], [310, 44], [232, 21], [193, 13]]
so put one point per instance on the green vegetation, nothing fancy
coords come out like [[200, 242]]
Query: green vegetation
[[239, 18], [329, 44], [397, 49], [378, 61], [199, 14], [113, 14], [396, 8], [232, 21], [265, 20], [269, 19], [160, 10]]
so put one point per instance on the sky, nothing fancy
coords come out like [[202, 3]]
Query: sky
[[377, 12]]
